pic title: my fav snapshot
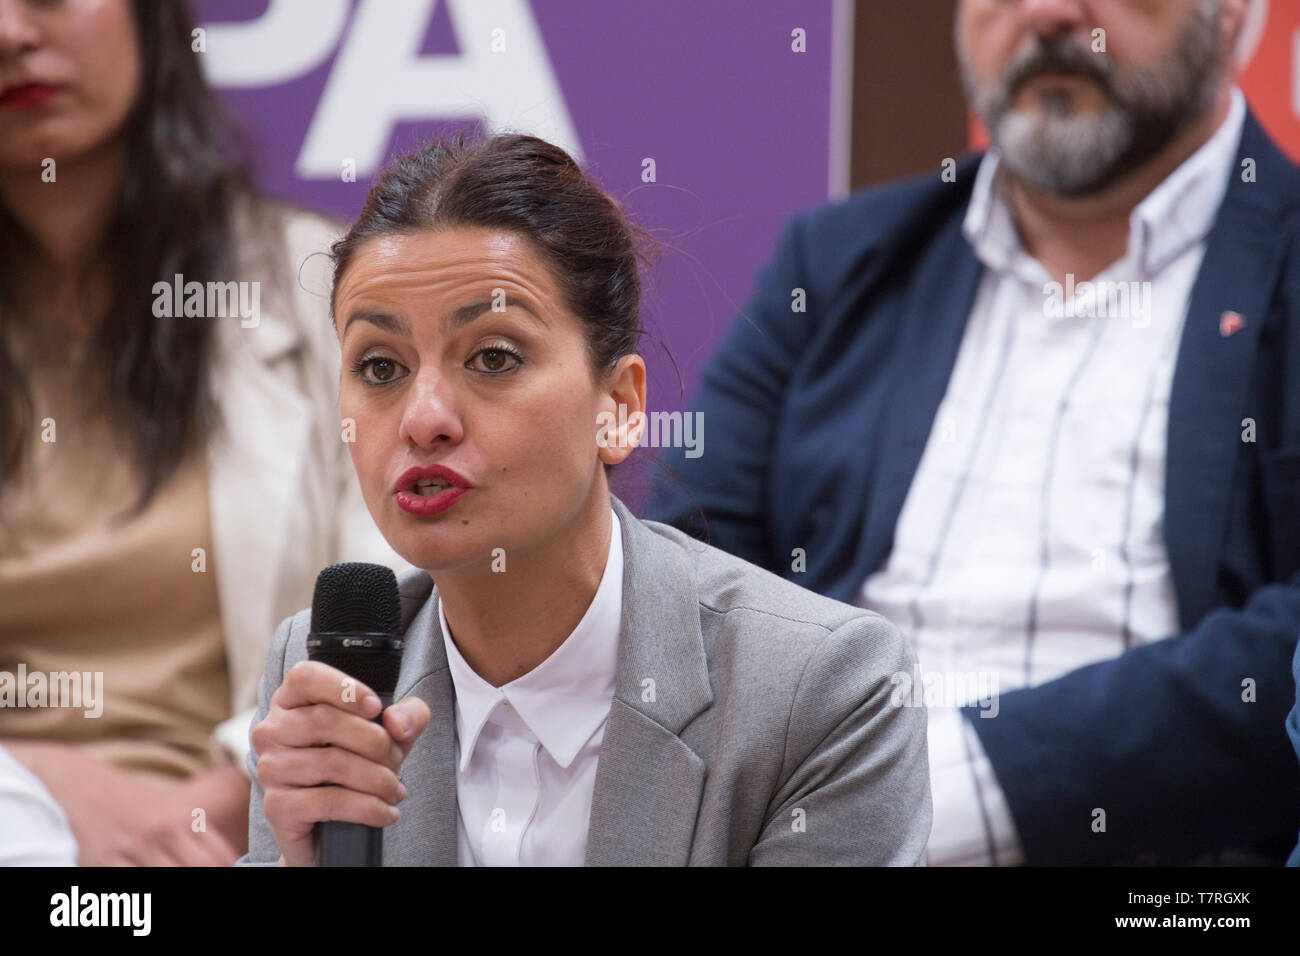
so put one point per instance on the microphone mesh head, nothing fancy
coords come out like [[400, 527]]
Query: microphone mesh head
[[354, 597]]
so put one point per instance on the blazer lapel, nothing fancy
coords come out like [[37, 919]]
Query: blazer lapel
[[426, 834], [648, 782], [1211, 382], [931, 333]]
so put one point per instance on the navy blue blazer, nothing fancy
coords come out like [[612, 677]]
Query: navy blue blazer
[[816, 422], [1293, 731]]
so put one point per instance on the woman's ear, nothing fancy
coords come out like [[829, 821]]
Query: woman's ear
[[621, 420]]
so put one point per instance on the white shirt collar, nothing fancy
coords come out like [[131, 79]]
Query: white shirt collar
[[565, 698], [1178, 213]]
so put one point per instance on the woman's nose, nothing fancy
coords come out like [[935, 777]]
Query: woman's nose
[[18, 29], [431, 414]]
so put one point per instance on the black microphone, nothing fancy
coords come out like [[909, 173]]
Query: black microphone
[[356, 626]]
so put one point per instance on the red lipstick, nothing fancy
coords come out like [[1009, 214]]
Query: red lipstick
[[27, 96], [429, 489]]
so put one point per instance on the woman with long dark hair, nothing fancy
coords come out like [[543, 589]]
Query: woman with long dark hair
[[172, 469], [577, 685]]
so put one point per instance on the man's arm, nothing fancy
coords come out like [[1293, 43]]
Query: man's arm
[[1173, 750], [740, 399], [856, 781], [1293, 731]]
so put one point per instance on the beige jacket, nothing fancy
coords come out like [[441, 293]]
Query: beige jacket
[[284, 496]]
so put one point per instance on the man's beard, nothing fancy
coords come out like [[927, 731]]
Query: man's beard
[[1060, 151]]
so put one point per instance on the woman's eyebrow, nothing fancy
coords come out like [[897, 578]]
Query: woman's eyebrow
[[383, 320], [454, 320], [468, 313]]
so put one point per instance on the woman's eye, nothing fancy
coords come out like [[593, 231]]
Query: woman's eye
[[495, 360], [377, 370]]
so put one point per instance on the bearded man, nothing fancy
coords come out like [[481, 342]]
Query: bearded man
[[1041, 408]]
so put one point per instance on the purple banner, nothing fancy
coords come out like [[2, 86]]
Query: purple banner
[[727, 103]]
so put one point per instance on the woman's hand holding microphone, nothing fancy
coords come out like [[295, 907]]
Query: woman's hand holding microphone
[[315, 733]]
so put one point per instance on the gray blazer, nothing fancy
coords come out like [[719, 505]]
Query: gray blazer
[[769, 736]]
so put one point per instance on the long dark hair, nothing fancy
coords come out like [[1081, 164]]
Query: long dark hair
[[173, 216]]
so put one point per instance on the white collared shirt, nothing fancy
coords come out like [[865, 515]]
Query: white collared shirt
[[526, 752], [1030, 542]]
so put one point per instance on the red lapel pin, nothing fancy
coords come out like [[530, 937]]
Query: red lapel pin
[[1230, 322]]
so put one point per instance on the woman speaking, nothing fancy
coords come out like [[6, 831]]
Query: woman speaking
[[578, 686]]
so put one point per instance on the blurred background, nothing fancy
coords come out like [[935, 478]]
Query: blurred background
[[738, 125], [750, 112]]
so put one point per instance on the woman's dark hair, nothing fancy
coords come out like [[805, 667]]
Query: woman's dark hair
[[173, 216], [526, 186]]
